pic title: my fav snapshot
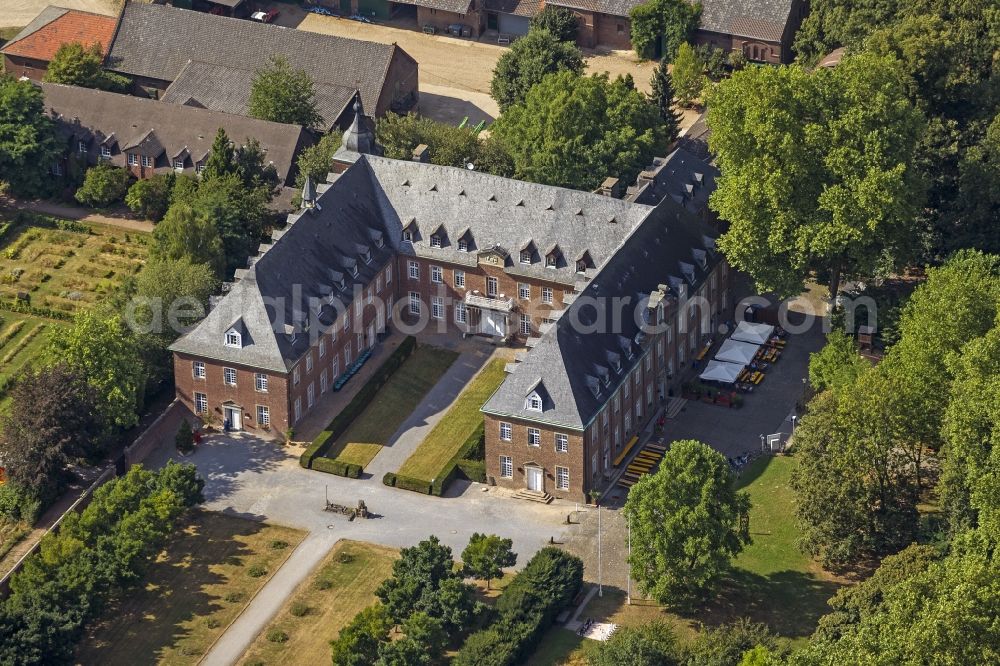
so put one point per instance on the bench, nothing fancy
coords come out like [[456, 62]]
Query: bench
[[628, 447]]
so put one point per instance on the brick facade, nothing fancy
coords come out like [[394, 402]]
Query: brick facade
[[658, 374]]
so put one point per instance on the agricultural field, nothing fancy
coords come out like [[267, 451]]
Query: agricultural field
[[191, 592], [341, 586], [22, 337], [63, 266]]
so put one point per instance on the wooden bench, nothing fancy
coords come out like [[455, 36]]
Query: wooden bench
[[628, 447]]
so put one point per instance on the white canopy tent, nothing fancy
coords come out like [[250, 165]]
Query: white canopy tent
[[750, 332], [734, 351], [720, 371]]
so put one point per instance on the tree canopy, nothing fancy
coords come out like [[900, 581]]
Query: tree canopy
[[448, 145], [562, 22], [686, 524], [29, 145], [816, 170], [76, 65], [283, 94], [663, 97], [574, 131], [185, 234], [527, 62], [651, 644], [486, 556], [688, 75], [103, 185], [659, 27]]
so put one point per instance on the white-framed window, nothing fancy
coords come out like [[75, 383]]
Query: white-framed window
[[229, 376], [309, 362], [626, 390], [199, 167], [506, 467], [407, 235], [133, 159], [414, 303], [463, 245], [649, 395], [550, 260], [56, 169], [525, 257], [618, 438], [260, 382], [388, 274], [297, 409], [505, 432], [369, 293], [178, 165], [322, 348], [324, 383], [460, 279], [547, 295], [649, 362], [562, 443], [461, 314], [534, 437], [295, 376], [435, 240], [628, 423], [200, 403], [333, 333], [81, 146], [604, 418], [593, 464], [436, 274], [359, 339], [335, 366], [437, 307], [562, 478], [414, 270], [147, 161], [233, 339], [523, 291], [492, 287], [198, 369], [638, 377], [347, 356], [263, 416], [311, 394], [358, 304], [659, 349], [638, 411], [105, 152], [378, 283], [618, 404], [525, 324], [534, 403]]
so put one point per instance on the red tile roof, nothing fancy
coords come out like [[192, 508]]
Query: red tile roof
[[72, 26]]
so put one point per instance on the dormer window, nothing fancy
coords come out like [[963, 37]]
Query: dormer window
[[366, 256], [525, 256], [407, 235], [133, 159], [81, 146], [550, 260], [534, 403], [581, 266], [607, 379], [354, 270], [105, 153], [234, 339], [463, 245], [178, 165], [435, 240]]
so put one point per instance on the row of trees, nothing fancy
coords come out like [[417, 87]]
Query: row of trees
[[427, 598], [96, 555]]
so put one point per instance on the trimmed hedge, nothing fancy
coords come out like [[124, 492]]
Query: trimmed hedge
[[389, 479], [525, 610], [342, 421], [331, 466], [416, 485], [473, 470], [465, 458]]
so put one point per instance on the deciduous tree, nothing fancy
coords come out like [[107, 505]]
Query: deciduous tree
[[837, 364], [688, 76], [562, 22], [651, 644], [486, 556], [188, 235], [359, 642], [28, 142], [527, 62], [76, 65], [150, 197], [817, 171], [103, 185], [686, 524], [283, 94]]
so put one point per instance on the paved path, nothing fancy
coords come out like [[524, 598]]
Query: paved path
[[260, 480], [268, 601], [430, 410]]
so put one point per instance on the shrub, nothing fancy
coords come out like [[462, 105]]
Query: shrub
[[560, 21], [235, 597], [256, 571], [473, 447], [323, 584], [473, 470], [184, 439], [103, 185], [277, 636], [673, 21], [389, 479], [18, 504], [331, 466], [278, 544], [299, 609], [213, 623], [150, 197], [360, 401]]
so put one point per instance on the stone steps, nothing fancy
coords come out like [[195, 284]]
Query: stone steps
[[533, 496]]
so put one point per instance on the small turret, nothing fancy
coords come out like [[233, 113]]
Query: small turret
[[359, 137], [309, 196]]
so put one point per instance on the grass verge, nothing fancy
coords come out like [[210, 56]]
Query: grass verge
[[193, 590], [341, 586], [400, 395], [445, 439]]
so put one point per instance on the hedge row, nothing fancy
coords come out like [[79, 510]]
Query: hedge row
[[343, 420], [467, 462], [525, 610], [407, 483], [331, 466], [23, 307]]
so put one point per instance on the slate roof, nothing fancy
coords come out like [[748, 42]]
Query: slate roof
[[227, 89], [757, 19], [610, 7], [454, 6], [157, 41], [96, 115], [55, 26], [569, 363], [500, 211], [695, 139], [681, 176], [527, 8], [311, 254]]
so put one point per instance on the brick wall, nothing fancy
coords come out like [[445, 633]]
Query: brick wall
[[613, 32], [441, 19], [400, 85], [17, 67], [544, 455]]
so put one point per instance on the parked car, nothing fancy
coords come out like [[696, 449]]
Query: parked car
[[265, 17]]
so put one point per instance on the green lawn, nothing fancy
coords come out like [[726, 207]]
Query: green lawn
[[444, 441], [393, 404], [190, 594]]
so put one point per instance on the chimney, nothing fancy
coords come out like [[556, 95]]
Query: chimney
[[611, 187], [422, 153], [646, 177]]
